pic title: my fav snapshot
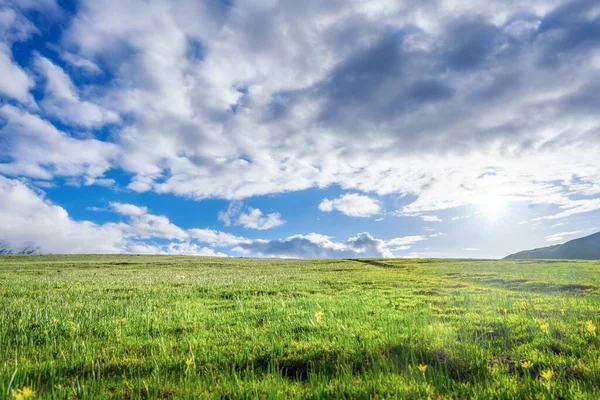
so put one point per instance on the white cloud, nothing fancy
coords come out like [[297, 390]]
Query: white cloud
[[14, 27], [573, 207], [39, 150], [62, 100], [16, 83], [353, 205], [217, 238], [130, 210], [27, 218], [80, 62], [437, 234], [557, 237], [252, 218], [404, 243], [185, 249], [430, 218], [146, 226]]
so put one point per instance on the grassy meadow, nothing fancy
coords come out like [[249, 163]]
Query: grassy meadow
[[129, 327]]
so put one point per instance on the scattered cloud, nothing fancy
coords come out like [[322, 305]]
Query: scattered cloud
[[62, 100], [557, 237], [353, 205], [28, 218], [252, 218], [573, 207], [437, 234], [430, 218]]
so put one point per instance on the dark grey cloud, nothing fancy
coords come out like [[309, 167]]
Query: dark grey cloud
[[570, 31], [469, 43], [436, 96]]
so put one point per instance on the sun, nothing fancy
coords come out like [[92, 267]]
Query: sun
[[492, 207]]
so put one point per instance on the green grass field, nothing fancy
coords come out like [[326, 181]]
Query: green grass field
[[75, 327]]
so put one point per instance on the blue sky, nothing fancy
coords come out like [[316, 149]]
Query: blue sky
[[299, 129]]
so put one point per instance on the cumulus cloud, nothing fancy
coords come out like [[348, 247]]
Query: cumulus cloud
[[318, 246], [37, 149], [29, 219], [353, 205], [143, 225], [252, 218]]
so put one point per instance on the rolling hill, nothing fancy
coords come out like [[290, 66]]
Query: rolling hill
[[585, 248]]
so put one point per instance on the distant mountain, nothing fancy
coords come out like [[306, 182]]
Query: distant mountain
[[585, 248]]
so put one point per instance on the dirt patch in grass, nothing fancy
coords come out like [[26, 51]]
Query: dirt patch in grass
[[575, 287], [375, 263]]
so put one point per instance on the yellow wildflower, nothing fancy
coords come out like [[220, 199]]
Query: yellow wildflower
[[189, 362], [319, 316], [24, 393], [20, 322], [118, 334], [526, 364], [422, 368], [590, 327], [547, 374], [73, 327], [544, 327]]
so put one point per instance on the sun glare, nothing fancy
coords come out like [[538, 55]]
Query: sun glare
[[492, 207]]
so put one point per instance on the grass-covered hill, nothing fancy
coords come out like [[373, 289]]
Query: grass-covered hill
[[586, 248], [143, 327]]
